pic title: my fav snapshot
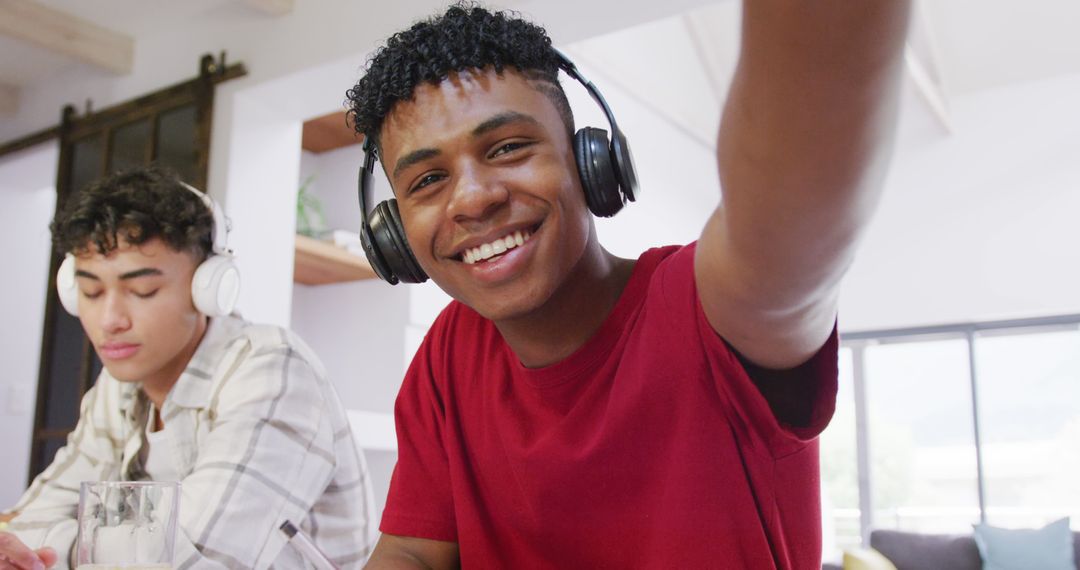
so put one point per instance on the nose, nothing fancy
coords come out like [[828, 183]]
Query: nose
[[115, 317], [476, 195]]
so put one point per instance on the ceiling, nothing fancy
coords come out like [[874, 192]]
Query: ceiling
[[44, 41], [956, 47]]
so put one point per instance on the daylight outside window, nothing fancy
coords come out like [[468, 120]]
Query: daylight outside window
[[1029, 410], [924, 450]]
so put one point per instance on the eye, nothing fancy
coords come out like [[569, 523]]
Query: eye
[[89, 295], [146, 295], [426, 180], [507, 148]]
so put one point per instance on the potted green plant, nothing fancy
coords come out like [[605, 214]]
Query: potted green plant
[[310, 220]]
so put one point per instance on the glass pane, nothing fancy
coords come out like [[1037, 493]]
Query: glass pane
[[923, 474], [86, 161], [130, 146], [62, 393], [1029, 416], [176, 142], [839, 469]]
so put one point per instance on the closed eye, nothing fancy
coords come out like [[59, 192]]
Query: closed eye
[[93, 295], [146, 295]]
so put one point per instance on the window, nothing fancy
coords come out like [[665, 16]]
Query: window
[[1029, 417], [921, 436], [839, 468], [940, 427]]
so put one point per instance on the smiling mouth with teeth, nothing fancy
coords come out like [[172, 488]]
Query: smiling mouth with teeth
[[496, 247]]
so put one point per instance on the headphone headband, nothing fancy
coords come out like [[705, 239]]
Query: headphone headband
[[571, 69], [371, 155], [219, 234], [625, 173]]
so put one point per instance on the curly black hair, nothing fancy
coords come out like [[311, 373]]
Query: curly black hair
[[466, 36], [135, 205]]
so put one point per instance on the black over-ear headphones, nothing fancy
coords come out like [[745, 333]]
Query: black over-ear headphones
[[606, 169]]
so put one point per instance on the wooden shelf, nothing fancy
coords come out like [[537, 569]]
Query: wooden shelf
[[328, 132], [319, 262]]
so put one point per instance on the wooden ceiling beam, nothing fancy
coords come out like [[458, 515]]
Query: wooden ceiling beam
[[67, 35]]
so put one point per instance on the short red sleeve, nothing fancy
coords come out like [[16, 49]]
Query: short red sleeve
[[781, 409]]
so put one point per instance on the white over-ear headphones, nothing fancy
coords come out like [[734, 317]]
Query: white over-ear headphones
[[215, 286]]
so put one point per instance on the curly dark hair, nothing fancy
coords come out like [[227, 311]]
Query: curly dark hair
[[466, 36], [135, 205]]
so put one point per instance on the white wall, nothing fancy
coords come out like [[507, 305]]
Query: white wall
[[981, 224], [357, 329], [28, 187]]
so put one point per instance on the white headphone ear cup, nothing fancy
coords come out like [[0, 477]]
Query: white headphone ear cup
[[215, 286], [66, 287]]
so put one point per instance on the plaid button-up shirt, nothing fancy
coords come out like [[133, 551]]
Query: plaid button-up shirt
[[258, 436]]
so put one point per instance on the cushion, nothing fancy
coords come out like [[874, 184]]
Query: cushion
[[866, 559], [1046, 548], [914, 551]]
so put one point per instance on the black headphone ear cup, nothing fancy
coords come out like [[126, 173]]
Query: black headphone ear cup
[[624, 167], [374, 256], [389, 234], [596, 171]]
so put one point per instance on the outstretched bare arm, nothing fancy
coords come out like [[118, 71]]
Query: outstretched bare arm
[[802, 151]]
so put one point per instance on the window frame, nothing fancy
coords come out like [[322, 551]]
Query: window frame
[[858, 341]]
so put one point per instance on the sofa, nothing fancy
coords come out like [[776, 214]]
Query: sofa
[[915, 551]]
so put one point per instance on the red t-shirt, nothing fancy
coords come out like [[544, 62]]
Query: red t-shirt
[[649, 447]]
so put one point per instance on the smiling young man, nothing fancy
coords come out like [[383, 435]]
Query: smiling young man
[[241, 414], [571, 409]]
